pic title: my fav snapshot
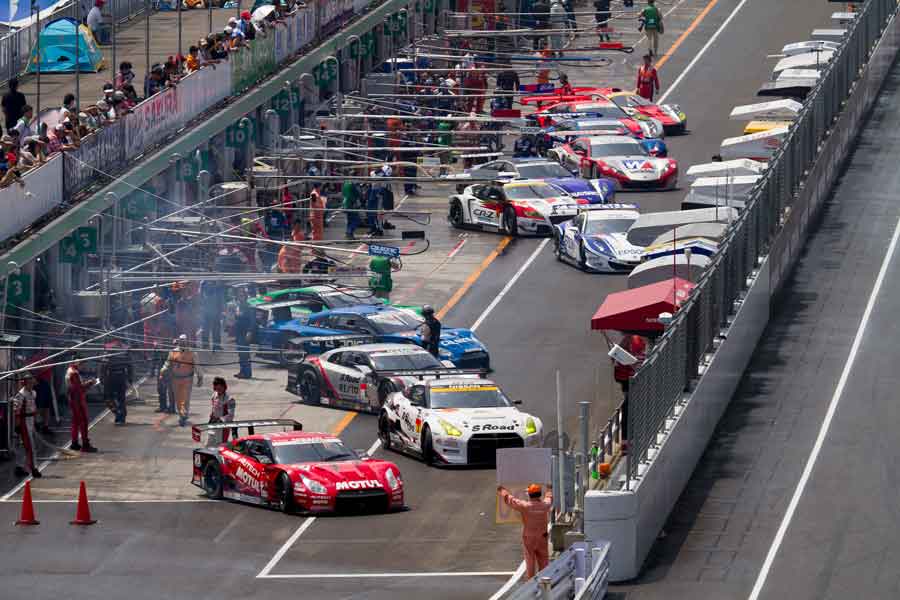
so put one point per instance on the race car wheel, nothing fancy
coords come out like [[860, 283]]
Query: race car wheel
[[212, 479], [456, 214], [427, 447], [384, 430], [384, 390], [285, 493], [557, 247], [308, 386], [582, 259], [510, 225]]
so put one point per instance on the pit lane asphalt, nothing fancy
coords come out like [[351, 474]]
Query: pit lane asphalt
[[542, 324]]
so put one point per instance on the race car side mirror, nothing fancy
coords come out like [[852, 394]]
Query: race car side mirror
[[517, 402]]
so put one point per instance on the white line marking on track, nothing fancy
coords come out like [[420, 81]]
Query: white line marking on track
[[387, 575], [509, 285], [287, 546], [228, 528], [44, 464], [511, 582], [457, 248], [300, 530], [700, 54], [826, 423]]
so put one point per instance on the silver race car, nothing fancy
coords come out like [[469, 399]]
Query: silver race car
[[455, 421], [521, 207], [597, 239], [360, 377]]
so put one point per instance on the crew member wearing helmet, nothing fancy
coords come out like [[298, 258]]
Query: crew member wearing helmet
[[431, 331], [535, 514], [182, 364]]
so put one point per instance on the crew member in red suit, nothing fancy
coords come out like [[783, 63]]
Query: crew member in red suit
[[77, 392], [647, 79]]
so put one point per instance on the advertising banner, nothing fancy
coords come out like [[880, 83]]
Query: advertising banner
[[152, 121], [252, 64]]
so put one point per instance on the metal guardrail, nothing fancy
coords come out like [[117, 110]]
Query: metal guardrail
[[581, 572], [677, 356]]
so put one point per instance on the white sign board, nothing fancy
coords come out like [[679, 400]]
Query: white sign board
[[517, 468]]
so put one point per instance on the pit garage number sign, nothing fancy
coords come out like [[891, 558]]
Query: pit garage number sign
[[82, 241]]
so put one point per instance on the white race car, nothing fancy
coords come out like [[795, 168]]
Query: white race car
[[521, 207], [361, 377], [455, 421], [622, 159], [597, 239]]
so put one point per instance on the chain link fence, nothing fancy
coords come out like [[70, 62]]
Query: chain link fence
[[776, 216]]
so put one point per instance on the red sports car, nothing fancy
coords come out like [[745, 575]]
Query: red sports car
[[292, 470], [671, 116], [638, 125]]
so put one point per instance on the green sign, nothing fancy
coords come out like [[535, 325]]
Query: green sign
[[324, 73], [19, 292], [85, 240], [139, 204], [68, 250], [252, 63], [286, 100], [189, 168], [238, 135]]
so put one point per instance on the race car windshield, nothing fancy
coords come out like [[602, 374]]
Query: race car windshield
[[606, 111], [304, 452], [395, 321], [405, 362], [345, 299], [600, 227], [633, 101], [543, 171], [530, 192], [467, 396], [618, 149]]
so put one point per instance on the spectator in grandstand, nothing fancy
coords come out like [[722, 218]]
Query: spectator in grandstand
[[107, 114], [92, 118], [8, 161], [31, 154], [172, 71], [219, 49], [67, 107], [119, 104], [246, 26], [13, 103], [23, 125], [154, 81], [65, 138], [95, 18], [130, 94], [193, 59], [125, 75]]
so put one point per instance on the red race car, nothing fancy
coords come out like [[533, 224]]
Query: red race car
[[292, 470], [671, 116], [638, 125]]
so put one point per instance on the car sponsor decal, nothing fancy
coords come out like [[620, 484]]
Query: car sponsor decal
[[418, 425], [465, 388], [489, 427], [637, 165], [324, 375], [365, 484]]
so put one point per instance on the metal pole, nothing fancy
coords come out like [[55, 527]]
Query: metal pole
[[77, 68], [12, 269], [179, 30], [585, 420], [209, 6], [147, 36], [238, 14], [114, 65], [339, 96], [559, 440], [114, 200], [38, 32]]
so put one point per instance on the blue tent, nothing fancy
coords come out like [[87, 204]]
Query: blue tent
[[58, 49]]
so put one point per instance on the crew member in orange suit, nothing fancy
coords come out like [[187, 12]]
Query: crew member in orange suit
[[535, 514]]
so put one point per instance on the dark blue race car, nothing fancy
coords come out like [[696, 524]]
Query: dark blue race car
[[384, 324]]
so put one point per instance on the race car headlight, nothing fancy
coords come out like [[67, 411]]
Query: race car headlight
[[530, 427], [313, 486], [445, 353], [449, 429], [392, 480]]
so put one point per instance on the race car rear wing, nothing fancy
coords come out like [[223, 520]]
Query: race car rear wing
[[330, 342], [558, 208], [436, 373], [234, 426]]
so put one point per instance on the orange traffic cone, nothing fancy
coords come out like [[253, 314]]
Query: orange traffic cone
[[83, 514], [27, 516]]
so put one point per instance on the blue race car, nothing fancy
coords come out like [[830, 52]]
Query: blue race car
[[388, 324], [591, 191]]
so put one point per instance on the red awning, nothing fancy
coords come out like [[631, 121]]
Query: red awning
[[638, 309]]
